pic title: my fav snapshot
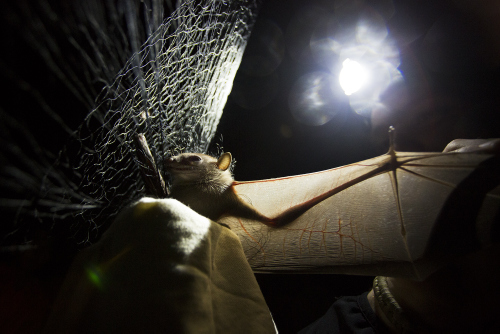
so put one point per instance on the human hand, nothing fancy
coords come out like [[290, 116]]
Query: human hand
[[474, 145]]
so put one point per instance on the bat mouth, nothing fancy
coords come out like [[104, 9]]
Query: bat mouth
[[180, 169]]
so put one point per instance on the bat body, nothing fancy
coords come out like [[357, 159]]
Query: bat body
[[205, 184], [400, 214]]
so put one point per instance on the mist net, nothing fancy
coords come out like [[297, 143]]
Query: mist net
[[156, 68]]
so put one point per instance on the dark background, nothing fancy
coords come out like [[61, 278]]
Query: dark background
[[255, 137], [257, 127], [449, 56]]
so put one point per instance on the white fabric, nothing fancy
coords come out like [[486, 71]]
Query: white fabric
[[161, 267]]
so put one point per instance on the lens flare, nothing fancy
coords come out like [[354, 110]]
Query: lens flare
[[352, 76], [312, 100], [94, 274]]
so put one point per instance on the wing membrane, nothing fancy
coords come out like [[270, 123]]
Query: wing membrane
[[377, 216]]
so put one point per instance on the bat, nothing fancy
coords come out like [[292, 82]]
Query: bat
[[400, 214], [206, 185]]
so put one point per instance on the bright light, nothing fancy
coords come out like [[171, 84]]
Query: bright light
[[352, 76]]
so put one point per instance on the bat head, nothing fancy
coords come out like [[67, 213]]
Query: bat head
[[197, 168]]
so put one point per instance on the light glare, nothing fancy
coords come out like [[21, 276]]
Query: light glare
[[352, 76]]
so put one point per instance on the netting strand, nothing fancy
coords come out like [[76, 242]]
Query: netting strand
[[138, 69]]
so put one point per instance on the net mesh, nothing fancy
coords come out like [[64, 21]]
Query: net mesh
[[155, 68]]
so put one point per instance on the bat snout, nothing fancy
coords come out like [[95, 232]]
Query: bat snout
[[171, 163]]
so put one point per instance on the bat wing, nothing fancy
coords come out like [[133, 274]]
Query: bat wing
[[400, 215]]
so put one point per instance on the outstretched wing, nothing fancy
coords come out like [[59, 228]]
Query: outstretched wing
[[384, 215]]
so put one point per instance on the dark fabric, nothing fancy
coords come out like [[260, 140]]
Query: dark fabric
[[351, 314]]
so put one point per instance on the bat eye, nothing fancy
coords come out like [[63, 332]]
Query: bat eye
[[193, 158]]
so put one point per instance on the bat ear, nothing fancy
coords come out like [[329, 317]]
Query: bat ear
[[224, 161]]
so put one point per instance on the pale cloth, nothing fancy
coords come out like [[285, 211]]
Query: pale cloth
[[161, 268]]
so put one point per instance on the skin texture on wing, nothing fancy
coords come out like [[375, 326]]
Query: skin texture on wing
[[381, 223], [462, 296], [385, 214]]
